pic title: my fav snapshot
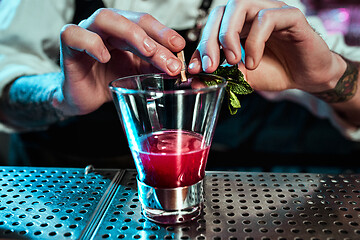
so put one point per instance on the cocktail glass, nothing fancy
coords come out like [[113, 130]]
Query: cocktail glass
[[169, 127]]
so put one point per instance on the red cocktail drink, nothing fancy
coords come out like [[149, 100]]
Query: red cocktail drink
[[172, 158], [169, 127]]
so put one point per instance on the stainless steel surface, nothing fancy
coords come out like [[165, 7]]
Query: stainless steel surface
[[59, 204], [42, 203]]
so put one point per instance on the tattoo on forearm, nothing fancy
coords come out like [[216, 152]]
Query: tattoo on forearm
[[345, 88], [27, 102]]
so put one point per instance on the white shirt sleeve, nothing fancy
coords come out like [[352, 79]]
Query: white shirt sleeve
[[316, 106], [29, 38]]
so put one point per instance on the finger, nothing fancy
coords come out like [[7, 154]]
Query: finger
[[75, 39], [209, 46], [163, 35], [231, 26], [127, 35], [195, 63], [108, 23], [236, 22], [267, 22], [162, 59], [156, 30]]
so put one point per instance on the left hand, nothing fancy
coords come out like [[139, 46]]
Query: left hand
[[110, 44], [281, 48]]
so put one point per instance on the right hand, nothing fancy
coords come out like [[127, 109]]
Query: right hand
[[282, 51], [108, 45]]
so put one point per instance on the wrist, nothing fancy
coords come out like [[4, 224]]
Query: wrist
[[342, 85], [58, 104], [61, 107], [335, 72]]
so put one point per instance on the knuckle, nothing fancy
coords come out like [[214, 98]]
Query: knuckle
[[167, 32], [105, 15], [227, 38], [280, 4], [297, 12], [102, 14], [217, 10], [235, 2], [223, 39], [241, 4], [250, 42], [145, 17], [67, 32], [265, 15], [93, 40], [203, 46], [159, 57], [102, 17], [135, 33]]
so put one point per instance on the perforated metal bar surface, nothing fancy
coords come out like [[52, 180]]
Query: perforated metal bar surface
[[58, 204], [42, 203]]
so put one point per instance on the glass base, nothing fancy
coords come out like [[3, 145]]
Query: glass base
[[171, 205], [172, 217]]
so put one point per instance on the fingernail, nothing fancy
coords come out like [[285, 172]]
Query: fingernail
[[105, 55], [177, 41], [173, 64], [149, 45], [231, 56], [206, 62], [192, 65], [249, 62]]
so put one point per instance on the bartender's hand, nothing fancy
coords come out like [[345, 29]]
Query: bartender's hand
[[282, 51], [108, 45]]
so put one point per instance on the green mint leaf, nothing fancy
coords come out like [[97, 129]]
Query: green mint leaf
[[234, 101], [232, 110], [241, 89], [237, 85], [211, 82]]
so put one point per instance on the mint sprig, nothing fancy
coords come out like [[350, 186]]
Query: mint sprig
[[237, 85]]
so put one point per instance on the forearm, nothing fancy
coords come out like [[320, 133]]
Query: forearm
[[345, 96], [29, 102]]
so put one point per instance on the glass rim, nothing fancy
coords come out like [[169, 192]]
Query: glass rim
[[177, 91]]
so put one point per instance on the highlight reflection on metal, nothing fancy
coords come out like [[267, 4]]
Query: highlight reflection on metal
[[48, 203], [170, 198]]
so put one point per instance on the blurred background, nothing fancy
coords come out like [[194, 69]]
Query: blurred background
[[338, 16]]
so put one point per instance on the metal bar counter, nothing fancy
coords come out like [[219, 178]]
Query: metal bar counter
[[56, 203]]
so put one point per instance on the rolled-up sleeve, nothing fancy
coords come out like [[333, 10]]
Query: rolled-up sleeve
[[29, 38]]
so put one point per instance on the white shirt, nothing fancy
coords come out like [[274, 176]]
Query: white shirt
[[30, 30]]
